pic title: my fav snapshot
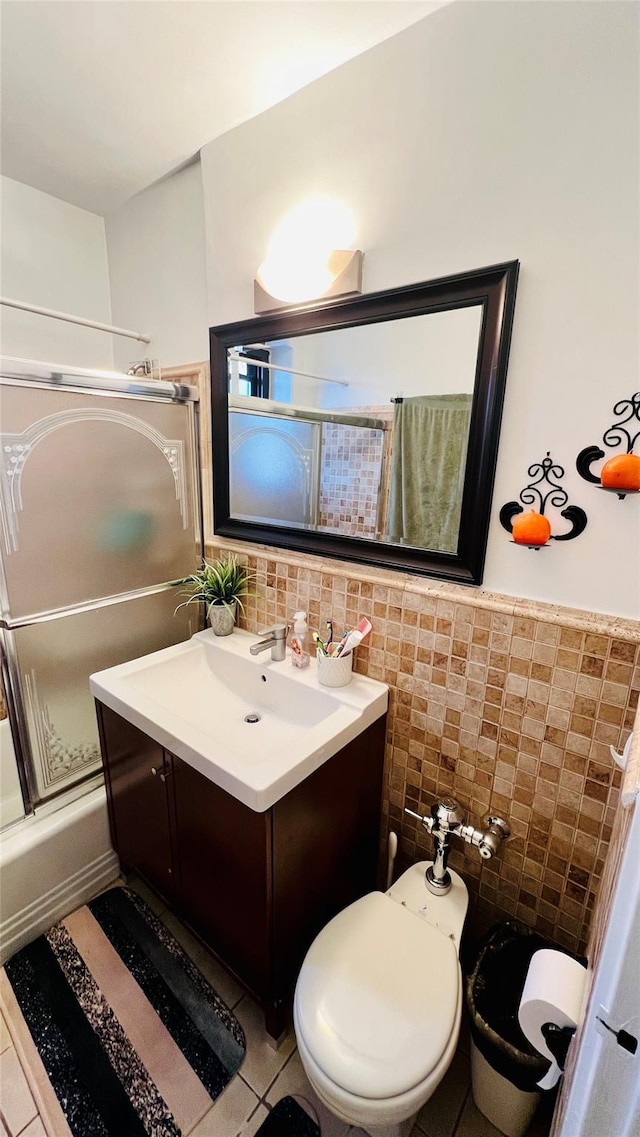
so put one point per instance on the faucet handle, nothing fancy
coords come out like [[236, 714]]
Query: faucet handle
[[278, 631]]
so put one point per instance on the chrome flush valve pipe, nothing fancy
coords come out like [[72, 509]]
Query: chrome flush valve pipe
[[446, 820]]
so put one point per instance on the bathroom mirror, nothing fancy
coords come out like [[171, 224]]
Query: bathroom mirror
[[366, 428]]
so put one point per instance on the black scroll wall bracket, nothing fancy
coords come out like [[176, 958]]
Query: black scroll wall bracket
[[618, 434], [542, 492]]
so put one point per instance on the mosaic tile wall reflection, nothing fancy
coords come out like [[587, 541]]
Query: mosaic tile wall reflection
[[350, 471], [510, 706], [353, 475]]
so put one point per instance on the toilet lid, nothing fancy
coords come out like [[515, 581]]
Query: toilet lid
[[377, 998]]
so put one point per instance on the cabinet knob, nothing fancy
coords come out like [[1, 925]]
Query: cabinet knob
[[159, 774]]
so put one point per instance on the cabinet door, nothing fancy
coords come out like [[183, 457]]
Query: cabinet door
[[223, 855], [325, 848], [136, 777]]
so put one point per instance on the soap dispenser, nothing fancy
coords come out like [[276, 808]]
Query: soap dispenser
[[300, 654]]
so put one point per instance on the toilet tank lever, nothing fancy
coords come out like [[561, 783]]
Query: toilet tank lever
[[426, 821]]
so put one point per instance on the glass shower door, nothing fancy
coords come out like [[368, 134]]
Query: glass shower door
[[273, 469], [98, 496], [52, 662], [100, 512], [11, 799]]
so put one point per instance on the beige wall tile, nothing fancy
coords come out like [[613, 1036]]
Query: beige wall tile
[[510, 705]]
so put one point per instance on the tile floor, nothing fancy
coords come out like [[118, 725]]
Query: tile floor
[[265, 1076]]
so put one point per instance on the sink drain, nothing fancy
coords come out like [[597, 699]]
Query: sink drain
[[253, 717]]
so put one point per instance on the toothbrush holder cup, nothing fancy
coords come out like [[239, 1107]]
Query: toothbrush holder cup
[[334, 672]]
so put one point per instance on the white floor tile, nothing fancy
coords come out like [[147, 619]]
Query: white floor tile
[[227, 988], [156, 905], [475, 1124], [230, 1113], [293, 1080], [262, 1063], [35, 1129], [254, 1123], [439, 1115], [5, 1037], [16, 1101]]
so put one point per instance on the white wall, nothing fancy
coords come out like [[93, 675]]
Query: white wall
[[485, 133], [158, 271], [54, 255], [422, 355]]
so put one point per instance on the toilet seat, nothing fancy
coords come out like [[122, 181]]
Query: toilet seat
[[375, 1112], [378, 999]]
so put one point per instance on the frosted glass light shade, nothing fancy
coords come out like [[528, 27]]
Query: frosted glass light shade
[[340, 275]]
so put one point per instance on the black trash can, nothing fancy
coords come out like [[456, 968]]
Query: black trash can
[[505, 1068]]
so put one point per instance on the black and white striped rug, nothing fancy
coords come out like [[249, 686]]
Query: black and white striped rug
[[129, 1035]]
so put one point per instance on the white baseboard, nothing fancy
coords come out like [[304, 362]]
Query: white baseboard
[[34, 919]]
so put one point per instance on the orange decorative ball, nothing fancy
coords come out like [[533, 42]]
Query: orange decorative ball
[[621, 473], [530, 529]]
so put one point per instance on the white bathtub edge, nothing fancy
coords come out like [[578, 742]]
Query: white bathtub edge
[[38, 917], [50, 865]]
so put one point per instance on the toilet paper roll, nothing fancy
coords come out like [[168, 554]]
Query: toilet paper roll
[[554, 992]]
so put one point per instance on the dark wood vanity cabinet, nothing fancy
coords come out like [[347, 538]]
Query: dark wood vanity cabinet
[[137, 772], [255, 887]]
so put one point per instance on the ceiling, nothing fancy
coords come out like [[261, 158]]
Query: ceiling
[[101, 98]]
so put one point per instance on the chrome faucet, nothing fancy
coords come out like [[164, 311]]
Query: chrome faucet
[[276, 639], [447, 820]]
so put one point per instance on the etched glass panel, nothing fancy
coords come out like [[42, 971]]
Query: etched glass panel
[[273, 469], [55, 660], [11, 803], [98, 496]]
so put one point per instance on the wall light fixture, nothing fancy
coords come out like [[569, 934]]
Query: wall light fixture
[[308, 257]]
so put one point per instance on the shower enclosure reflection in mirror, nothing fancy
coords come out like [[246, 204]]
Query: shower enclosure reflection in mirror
[[367, 428]]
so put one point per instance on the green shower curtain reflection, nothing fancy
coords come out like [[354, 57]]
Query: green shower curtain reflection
[[429, 449]]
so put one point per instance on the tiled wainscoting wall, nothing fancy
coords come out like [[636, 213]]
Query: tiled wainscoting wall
[[509, 705]]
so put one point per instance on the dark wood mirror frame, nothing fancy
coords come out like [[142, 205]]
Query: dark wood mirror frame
[[495, 289]]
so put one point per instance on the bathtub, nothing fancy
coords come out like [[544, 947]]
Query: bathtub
[[51, 863]]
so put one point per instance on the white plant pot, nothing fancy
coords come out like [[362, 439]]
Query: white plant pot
[[222, 618]]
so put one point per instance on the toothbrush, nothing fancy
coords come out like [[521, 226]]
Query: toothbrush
[[319, 643], [337, 648]]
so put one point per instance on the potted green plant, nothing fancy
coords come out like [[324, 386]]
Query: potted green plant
[[220, 587]]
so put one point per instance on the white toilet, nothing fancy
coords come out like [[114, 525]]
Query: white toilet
[[378, 1003]]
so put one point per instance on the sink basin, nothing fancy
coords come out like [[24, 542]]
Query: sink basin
[[254, 727]]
